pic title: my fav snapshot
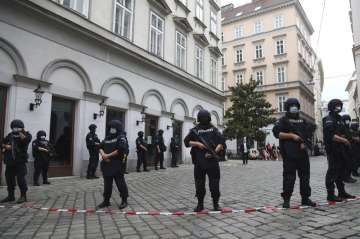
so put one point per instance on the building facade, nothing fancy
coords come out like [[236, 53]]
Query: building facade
[[153, 64], [355, 27], [269, 41], [352, 89], [318, 86]]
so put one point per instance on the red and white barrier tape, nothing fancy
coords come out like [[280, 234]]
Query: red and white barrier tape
[[267, 209]]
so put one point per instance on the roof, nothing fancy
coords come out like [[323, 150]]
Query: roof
[[230, 14]]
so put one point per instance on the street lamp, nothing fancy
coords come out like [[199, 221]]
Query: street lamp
[[101, 111], [142, 116], [38, 95], [172, 117]]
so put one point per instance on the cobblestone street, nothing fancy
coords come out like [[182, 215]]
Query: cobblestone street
[[257, 184]]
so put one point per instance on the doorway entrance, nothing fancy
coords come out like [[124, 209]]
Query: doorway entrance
[[151, 126], [3, 91], [62, 136], [177, 135]]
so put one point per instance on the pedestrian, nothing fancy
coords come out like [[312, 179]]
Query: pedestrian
[[347, 150], [141, 150], [14, 147], [333, 130], [174, 148], [206, 142], [92, 144], [245, 152], [293, 134], [160, 149], [42, 152], [112, 151]]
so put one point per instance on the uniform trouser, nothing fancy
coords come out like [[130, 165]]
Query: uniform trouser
[[335, 174], [173, 159], [41, 167], [213, 172], [120, 184], [159, 157], [349, 163], [141, 159], [290, 167], [93, 164], [16, 173]]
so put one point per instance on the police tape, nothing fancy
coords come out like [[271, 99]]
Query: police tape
[[264, 209]]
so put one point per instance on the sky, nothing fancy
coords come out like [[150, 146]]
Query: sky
[[335, 42]]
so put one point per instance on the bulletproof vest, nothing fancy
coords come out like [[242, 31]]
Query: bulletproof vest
[[139, 142], [18, 153]]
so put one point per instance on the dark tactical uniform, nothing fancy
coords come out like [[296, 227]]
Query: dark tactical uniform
[[15, 160], [295, 154], [174, 148], [347, 150], [126, 153], [113, 170], [204, 162], [159, 142], [333, 125], [355, 146], [141, 153], [92, 144], [42, 158]]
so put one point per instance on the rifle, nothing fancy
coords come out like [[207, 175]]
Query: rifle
[[208, 148], [306, 141]]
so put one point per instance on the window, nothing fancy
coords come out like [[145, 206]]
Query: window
[[259, 76], [281, 103], [180, 50], [213, 72], [156, 35], [239, 32], [258, 52], [123, 18], [238, 56], [258, 27], [239, 78], [213, 22], [199, 11], [199, 62], [81, 6], [281, 74], [280, 48], [223, 83], [278, 22]]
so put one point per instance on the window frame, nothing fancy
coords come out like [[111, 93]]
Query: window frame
[[258, 27], [199, 71], [199, 5], [73, 6], [213, 21], [239, 57], [242, 77], [281, 74], [116, 4], [213, 71], [279, 22], [151, 27], [257, 74], [178, 47], [258, 50], [280, 46], [239, 32], [281, 103]]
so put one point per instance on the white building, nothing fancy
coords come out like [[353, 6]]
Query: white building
[[355, 26], [352, 90], [153, 63]]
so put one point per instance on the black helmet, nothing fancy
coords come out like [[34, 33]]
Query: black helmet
[[161, 131], [140, 134], [334, 103], [204, 117], [92, 127], [116, 124], [40, 133], [291, 102], [346, 119], [16, 123]]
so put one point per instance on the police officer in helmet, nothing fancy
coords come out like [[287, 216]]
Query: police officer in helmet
[[112, 150], [347, 151], [92, 144], [14, 147], [160, 149], [204, 160], [42, 152], [333, 128], [141, 150], [294, 137]]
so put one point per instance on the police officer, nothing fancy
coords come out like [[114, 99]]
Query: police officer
[[160, 149], [334, 140], [112, 151], [355, 146], [204, 160], [126, 154], [141, 150], [14, 148], [174, 148], [347, 151], [92, 144], [42, 152], [293, 134]]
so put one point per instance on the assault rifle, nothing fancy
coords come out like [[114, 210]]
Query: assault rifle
[[206, 144]]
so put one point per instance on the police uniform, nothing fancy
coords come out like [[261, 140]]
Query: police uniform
[[113, 170], [126, 153], [204, 162], [141, 153], [347, 151], [15, 160], [336, 173], [159, 143], [42, 158], [174, 148], [92, 144], [355, 147], [295, 154]]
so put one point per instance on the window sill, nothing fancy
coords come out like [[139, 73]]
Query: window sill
[[280, 55], [183, 6], [213, 35], [239, 63], [257, 60], [201, 23]]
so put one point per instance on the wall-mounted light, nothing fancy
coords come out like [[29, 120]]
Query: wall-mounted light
[[38, 95], [172, 117], [101, 111], [142, 116]]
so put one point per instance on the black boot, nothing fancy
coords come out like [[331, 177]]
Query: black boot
[[123, 204], [307, 202], [9, 198], [345, 195], [36, 184], [200, 206], [331, 197], [22, 199], [46, 182], [286, 203], [216, 205], [104, 204]]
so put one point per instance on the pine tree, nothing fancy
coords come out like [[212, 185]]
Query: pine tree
[[249, 113]]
